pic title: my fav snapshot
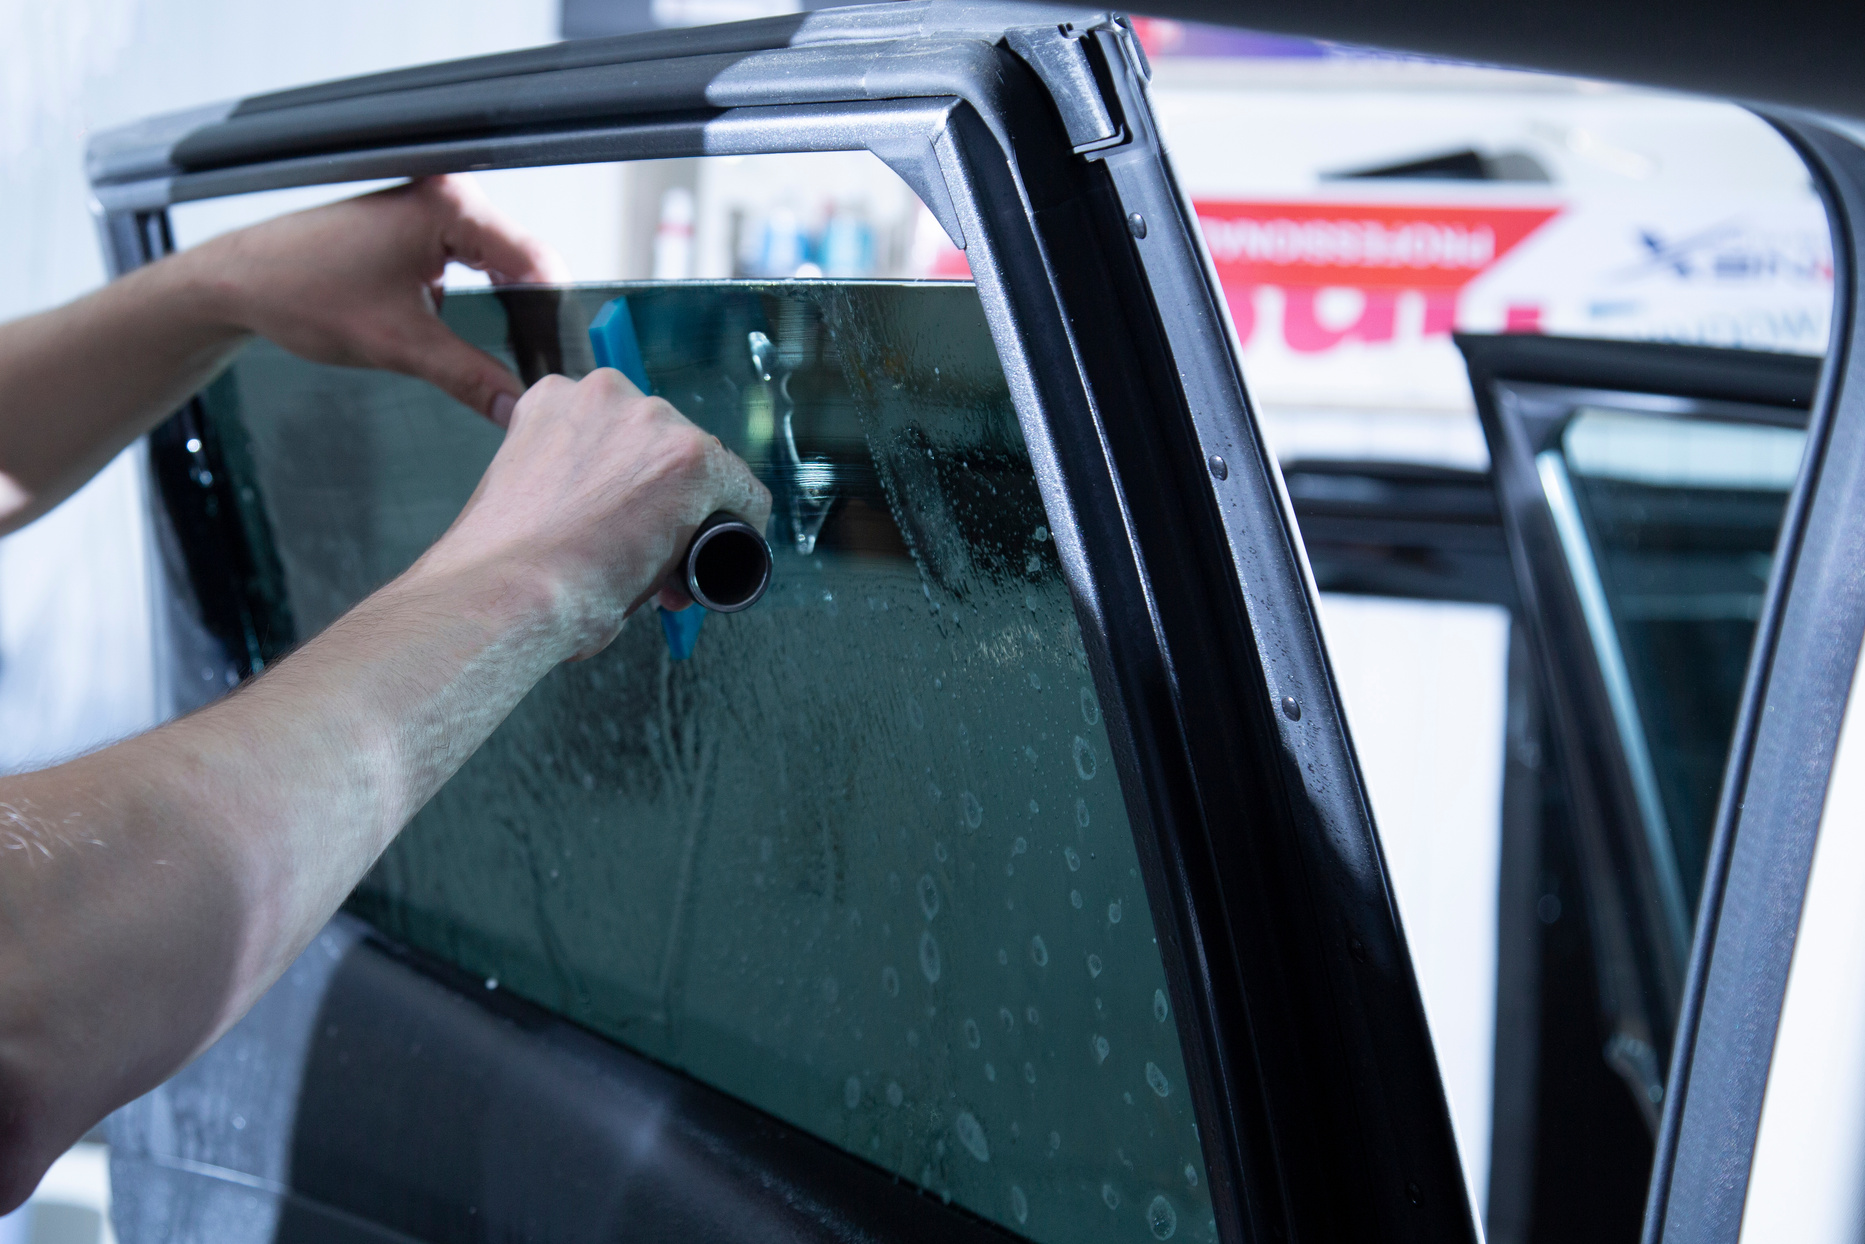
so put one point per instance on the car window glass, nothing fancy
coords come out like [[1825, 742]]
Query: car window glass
[[1679, 518], [863, 858]]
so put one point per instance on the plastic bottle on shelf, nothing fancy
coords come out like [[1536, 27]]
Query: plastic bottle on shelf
[[784, 246], [848, 242]]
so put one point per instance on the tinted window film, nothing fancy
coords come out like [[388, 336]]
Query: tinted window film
[[1680, 517], [863, 858]]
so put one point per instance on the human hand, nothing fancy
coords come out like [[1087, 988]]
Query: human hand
[[358, 283], [592, 499]]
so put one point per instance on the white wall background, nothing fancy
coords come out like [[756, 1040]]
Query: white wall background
[[1424, 685]]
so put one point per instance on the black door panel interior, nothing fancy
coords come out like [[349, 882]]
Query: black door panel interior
[[424, 1106]]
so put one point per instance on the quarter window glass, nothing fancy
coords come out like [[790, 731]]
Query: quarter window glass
[[862, 860], [1680, 517]]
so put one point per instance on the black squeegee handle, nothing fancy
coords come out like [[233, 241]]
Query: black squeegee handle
[[727, 566]]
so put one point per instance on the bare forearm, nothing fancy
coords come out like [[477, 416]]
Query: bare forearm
[[150, 892], [198, 860], [315, 767], [84, 380]]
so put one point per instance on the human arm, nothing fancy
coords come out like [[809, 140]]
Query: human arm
[[353, 283], [150, 892]]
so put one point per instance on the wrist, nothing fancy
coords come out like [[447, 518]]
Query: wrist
[[203, 289], [504, 591]]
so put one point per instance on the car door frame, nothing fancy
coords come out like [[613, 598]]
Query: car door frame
[[1527, 388], [1800, 675], [1029, 133]]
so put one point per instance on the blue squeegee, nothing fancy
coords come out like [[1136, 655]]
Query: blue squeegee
[[613, 341]]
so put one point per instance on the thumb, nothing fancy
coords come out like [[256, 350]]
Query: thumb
[[434, 353]]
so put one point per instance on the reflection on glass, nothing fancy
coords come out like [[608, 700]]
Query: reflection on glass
[[1681, 517], [863, 860]]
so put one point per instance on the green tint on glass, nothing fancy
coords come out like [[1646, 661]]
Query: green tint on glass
[[1682, 516], [863, 860]]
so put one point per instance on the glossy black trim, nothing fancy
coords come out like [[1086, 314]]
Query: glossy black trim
[[1657, 367], [221, 598], [1313, 1074], [1272, 868], [1800, 676]]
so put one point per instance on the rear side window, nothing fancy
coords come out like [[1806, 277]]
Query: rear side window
[[862, 860]]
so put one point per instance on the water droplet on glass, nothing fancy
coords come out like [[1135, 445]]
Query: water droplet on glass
[[1090, 707], [1100, 1049], [1003, 956], [1008, 1020], [851, 1092], [492, 982], [1035, 807], [1041, 534], [1160, 1009], [973, 1037], [1029, 1072], [1021, 845], [1113, 912], [1019, 1204], [1085, 763], [1191, 1175], [1036, 680], [1162, 1218], [1074, 861], [1074, 898], [890, 982], [894, 1095], [971, 1136], [990, 1073], [1111, 1195], [1081, 813], [929, 896], [974, 811], [1157, 1079], [929, 957], [1039, 952], [1055, 1140], [939, 852], [1029, 601], [1094, 965], [1030, 1015]]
